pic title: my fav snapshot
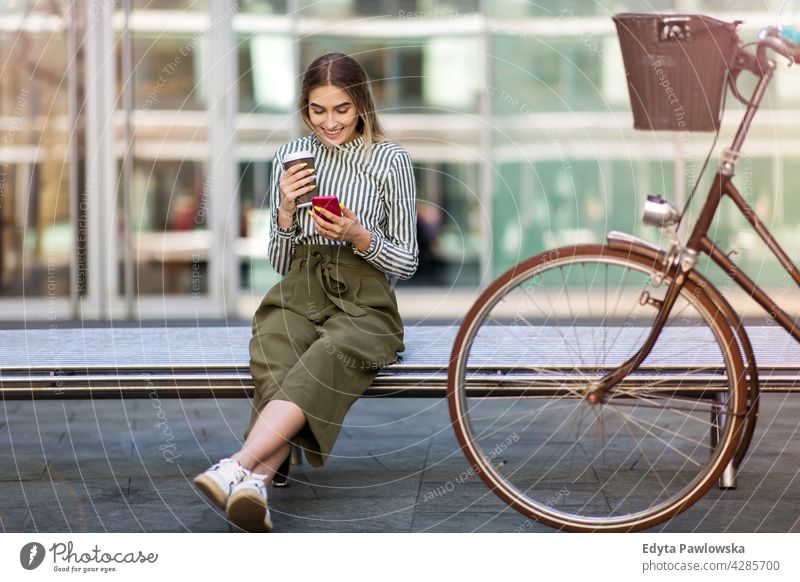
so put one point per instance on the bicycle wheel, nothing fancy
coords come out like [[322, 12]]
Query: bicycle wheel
[[524, 360]]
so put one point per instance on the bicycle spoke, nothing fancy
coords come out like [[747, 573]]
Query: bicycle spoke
[[546, 316], [644, 428]]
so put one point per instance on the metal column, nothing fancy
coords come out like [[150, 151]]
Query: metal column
[[101, 182], [486, 140], [221, 187]]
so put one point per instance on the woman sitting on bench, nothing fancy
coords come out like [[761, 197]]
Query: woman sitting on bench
[[322, 333]]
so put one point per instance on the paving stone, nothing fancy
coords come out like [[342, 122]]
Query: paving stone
[[13, 519], [20, 465], [503, 521], [371, 484], [354, 514]]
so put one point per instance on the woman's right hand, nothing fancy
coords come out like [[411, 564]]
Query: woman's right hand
[[294, 182]]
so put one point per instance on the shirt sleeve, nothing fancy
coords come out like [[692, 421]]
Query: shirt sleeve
[[281, 240], [394, 251]]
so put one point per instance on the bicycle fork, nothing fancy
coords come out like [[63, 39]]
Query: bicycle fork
[[599, 390]]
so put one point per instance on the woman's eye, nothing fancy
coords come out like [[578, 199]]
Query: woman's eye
[[322, 111]]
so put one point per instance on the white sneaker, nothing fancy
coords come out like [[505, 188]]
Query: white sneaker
[[247, 505], [219, 480]]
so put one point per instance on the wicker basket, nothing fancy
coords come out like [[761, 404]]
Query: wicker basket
[[676, 67]]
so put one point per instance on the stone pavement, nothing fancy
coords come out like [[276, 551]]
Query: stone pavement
[[126, 466]]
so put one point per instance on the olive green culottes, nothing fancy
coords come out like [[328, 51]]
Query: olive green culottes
[[319, 338]]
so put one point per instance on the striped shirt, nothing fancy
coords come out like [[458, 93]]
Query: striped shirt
[[380, 192]]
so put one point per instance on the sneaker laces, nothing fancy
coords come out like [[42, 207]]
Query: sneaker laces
[[232, 465]]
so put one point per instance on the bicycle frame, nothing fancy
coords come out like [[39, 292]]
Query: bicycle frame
[[699, 242]]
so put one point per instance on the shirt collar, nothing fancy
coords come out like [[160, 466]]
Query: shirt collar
[[353, 144]]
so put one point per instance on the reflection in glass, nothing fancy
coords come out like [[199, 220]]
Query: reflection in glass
[[170, 223], [36, 236], [167, 71], [452, 79], [448, 225], [181, 5], [573, 8], [262, 6], [547, 204], [412, 75], [256, 272], [549, 74], [390, 8], [266, 73]]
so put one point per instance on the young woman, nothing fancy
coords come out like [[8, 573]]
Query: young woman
[[321, 334]]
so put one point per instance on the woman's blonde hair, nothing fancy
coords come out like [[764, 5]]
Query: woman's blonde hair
[[341, 71]]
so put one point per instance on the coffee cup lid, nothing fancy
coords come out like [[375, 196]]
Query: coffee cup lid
[[297, 156]]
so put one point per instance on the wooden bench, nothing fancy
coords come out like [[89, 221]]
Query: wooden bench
[[201, 362]]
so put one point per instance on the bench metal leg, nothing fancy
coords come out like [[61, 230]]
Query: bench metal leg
[[295, 454], [727, 480], [281, 477]]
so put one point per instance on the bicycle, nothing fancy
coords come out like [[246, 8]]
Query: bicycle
[[633, 386]]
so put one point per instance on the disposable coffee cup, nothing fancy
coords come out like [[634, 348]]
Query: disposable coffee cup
[[293, 159]]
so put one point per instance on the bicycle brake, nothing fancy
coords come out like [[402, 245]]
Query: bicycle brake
[[671, 257]]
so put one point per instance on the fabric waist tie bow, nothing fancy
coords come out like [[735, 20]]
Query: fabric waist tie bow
[[327, 273]]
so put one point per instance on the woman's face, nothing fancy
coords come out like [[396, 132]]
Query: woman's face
[[333, 114]]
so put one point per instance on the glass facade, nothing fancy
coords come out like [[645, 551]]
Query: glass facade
[[516, 115]]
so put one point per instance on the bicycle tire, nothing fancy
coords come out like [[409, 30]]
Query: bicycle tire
[[750, 418], [608, 481]]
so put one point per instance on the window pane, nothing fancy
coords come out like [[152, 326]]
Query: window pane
[[731, 231], [170, 228], [548, 74], [266, 75], [412, 75], [36, 233], [722, 6], [448, 225], [167, 71], [262, 6], [182, 5], [256, 272], [389, 8], [561, 8]]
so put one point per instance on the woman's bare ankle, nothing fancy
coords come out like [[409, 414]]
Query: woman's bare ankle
[[246, 461], [262, 469]]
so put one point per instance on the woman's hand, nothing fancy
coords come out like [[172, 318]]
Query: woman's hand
[[345, 228], [294, 182]]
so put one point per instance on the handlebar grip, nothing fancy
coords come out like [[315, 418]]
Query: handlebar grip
[[792, 37], [791, 34]]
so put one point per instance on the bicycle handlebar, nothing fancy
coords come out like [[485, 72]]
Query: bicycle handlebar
[[782, 42]]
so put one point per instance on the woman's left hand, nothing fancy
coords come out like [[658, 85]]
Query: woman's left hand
[[345, 228]]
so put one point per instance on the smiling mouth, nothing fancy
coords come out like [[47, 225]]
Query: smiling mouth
[[332, 133]]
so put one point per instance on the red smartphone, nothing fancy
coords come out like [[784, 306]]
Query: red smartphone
[[329, 203]]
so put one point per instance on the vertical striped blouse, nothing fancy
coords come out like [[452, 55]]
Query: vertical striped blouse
[[380, 192]]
